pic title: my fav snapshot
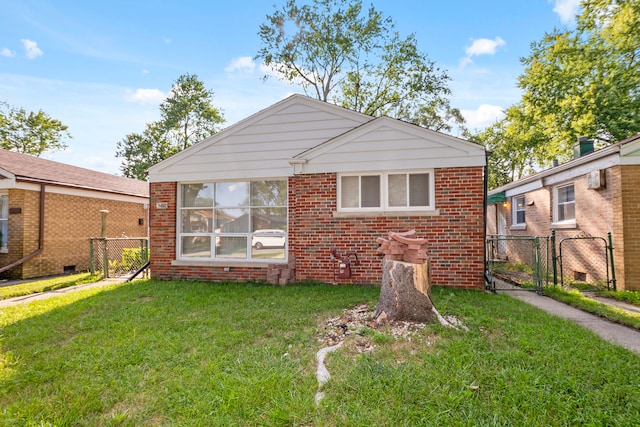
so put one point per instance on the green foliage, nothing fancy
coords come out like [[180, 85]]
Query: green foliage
[[131, 259], [30, 132], [341, 53], [187, 116], [581, 82]]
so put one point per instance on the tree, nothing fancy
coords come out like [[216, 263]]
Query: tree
[[586, 82], [30, 132], [515, 147], [583, 82], [187, 116], [351, 57]]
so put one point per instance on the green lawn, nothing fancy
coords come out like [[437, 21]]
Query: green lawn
[[48, 284], [235, 354]]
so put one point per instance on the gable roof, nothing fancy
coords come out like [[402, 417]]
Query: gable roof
[[626, 151], [260, 145], [306, 134], [390, 144], [17, 167]]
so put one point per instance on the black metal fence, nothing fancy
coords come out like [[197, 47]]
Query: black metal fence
[[533, 262], [118, 257]]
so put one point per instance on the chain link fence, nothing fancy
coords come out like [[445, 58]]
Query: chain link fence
[[533, 262], [118, 257], [586, 260], [525, 261]]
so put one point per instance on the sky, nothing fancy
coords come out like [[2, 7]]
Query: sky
[[103, 67]]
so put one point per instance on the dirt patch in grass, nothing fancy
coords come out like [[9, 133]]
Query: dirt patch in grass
[[356, 328]]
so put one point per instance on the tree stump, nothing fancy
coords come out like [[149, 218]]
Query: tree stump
[[405, 292]]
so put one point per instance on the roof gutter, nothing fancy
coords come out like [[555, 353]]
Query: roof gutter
[[40, 238]]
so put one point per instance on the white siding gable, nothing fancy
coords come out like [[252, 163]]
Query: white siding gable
[[261, 145], [630, 153], [389, 144]]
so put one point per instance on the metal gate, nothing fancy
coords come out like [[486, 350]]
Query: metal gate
[[117, 257], [593, 253], [510, 258]]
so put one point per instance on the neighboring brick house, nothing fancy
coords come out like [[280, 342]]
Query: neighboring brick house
[[328, 178], [593, 194], [49, 211]]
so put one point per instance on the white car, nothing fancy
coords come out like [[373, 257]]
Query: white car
[[268, 239]]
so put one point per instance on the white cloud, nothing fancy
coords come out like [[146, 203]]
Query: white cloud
[[144, 71], [485, 115], [481, 47], [484, 46], [145, 96], [566, 9], [243, 64], [7, 52], [31, 49]]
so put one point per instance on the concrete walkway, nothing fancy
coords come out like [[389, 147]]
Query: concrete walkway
[[615, 333]]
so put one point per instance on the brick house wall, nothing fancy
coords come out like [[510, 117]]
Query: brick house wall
[[627, 224], [598, 212], [455, 235], [70, 221]]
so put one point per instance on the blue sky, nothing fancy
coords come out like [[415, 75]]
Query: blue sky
[[104, 67]]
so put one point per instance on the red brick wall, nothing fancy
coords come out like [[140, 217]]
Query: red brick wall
[[70, 221], [455, 235]]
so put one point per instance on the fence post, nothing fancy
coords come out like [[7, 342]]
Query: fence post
[[613, 268], [554, 259], [105, 258], [92, 267]]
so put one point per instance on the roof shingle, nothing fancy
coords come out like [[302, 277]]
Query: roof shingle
[[35, 169]]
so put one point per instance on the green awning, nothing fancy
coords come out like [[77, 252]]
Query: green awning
[[497, 198]]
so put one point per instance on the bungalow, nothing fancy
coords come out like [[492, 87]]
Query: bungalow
[[320, 183], [588, 197], [49, 211]]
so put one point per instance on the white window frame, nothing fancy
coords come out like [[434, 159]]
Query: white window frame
[[215, 236], [567, 223], [4, 223], [384, 192], [514, 212]]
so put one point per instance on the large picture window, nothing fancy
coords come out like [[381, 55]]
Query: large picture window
[[564, 206], [4, 221], [239, 220], [395, 191]]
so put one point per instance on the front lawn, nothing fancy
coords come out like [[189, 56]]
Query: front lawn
[[236, 354], [46, 284]]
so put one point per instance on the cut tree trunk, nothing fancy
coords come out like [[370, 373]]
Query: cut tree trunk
[[405, 292]]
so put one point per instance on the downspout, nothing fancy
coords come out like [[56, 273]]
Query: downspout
[[487, 279], [40, 238]]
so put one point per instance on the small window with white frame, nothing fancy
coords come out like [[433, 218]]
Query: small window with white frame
[[4, 221], [386, 191], [564, 205], [518, 214]]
